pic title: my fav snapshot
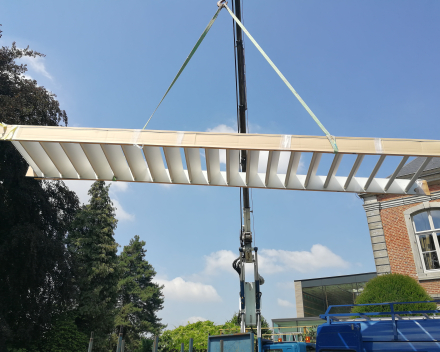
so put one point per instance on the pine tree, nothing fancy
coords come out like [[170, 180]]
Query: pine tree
[[93, 248], [139, 298]]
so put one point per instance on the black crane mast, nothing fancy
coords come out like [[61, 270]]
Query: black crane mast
[[250, 295]]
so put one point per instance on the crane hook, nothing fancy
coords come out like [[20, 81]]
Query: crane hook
[[222, 3]]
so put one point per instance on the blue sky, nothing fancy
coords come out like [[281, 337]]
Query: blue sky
[[365, 68]]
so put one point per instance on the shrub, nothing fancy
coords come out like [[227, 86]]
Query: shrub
[[65, 336], [393, 288]]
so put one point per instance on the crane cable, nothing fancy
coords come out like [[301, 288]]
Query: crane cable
[[194, 49], [223, 4], [331, 138]]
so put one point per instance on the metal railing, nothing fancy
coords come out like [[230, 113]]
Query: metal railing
[[394, 314]]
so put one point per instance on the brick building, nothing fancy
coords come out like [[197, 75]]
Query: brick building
[[405, 230]]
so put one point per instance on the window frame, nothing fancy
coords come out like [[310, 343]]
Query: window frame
[[432, 231], [422, 272]]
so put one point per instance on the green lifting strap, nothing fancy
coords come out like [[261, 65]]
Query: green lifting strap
[[331, 138], [8, 137], [205, 32]]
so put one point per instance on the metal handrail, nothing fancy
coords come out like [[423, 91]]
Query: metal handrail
[[290, 327], [391, 304], [392, 312]]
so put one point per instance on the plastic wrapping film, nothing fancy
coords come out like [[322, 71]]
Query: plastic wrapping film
[[285, 141], [179, 137], [378, 145], [135, 138], [422, 188]]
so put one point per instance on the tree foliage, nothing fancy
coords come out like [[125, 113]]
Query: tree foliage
[[43, 282], [35, 278], [146, 345], [171, 340], [65, 336], [139, 298], [93, 248], [393, 288], [22, 101], [236, 320]]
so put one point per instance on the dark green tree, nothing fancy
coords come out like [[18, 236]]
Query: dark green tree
[[35, 272], [65, 336], [93, 248], [139, 298], [393, 288], [236, 320], [146, 345]]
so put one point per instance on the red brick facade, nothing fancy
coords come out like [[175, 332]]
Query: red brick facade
[[398, 243], [382, 197], [397, 239]]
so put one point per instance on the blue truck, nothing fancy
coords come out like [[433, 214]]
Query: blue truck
[[417, 330], [399, 331], [245, 342]]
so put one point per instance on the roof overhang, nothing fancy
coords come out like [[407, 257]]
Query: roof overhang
[[76, 153]]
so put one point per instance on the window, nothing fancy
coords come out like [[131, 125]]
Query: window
[[427, 231]]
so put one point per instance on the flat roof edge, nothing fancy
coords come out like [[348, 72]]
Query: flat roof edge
[[334, 280]]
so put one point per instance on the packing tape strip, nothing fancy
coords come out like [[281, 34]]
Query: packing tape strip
[[179, 138], [135, 138], [378, 145], [285, 141]]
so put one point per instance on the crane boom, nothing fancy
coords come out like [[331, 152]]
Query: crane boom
[[250, 295]]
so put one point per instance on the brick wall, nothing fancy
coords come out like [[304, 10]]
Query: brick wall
[[398, 243], [382, 197]]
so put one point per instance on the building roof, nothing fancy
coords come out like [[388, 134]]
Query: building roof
[[289, 321], [337, 280], [412, 167]]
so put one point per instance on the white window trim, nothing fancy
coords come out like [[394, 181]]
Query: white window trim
[[421, 273]]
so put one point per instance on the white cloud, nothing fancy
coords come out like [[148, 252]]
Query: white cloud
[[121, 214], [192, 320], [188, 291], [219, 261], [268, 264], [284, 303], [254, 128], [36, 65], [222, 129], [290, 285], [274, 261], [80, 188], [118, 186]]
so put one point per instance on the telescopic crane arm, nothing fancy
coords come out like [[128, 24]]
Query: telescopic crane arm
[[250, 295]]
